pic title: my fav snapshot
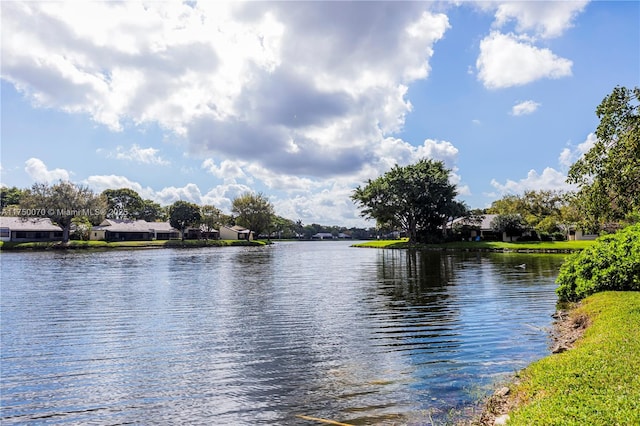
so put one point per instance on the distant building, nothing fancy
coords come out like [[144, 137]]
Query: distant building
[[323, 236], [481, 229], [235, 233], [20, 229], [133, 230]]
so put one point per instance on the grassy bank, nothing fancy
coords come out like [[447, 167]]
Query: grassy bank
[[595, 383], [532, 246], [71, 245]]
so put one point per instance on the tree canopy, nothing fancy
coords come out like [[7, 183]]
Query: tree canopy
[[541, 210], [183, 214], [62, 203], [253, 211], [210, 218], [417, 197], [608, 175], [123, 203]]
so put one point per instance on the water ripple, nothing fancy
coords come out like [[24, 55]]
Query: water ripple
[[263, 335]]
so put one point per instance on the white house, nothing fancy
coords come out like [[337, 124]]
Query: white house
[[323, 236], [235, 233]]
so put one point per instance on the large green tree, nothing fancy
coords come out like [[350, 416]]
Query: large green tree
[[10, 196], [510, 224], [608, 175], [152, 211], [417, 197], [210, 218], [183, 214], [63, 202], [253, 211], [123, 203], [540, 210]]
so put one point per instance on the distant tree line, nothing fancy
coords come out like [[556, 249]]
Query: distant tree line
[[420, 199], [76, 209], [417, 199]]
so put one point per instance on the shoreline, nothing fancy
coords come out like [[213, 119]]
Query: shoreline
[[530, 247], [123, 245], [567, 329]]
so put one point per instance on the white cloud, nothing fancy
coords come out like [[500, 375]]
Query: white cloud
[[221, 196], [138, 155], [257, 86], [101, 182], [508, 60], [545, 18], [570, 155], [227, 170], [38, 171], [524, 108], [550, 179], [254, 82]]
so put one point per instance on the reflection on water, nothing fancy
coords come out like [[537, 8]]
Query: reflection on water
[[262, 335]]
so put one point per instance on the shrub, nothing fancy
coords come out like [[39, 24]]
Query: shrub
[[612, 263], [559, 236]]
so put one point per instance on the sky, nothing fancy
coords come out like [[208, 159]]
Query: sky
[[304, 101]]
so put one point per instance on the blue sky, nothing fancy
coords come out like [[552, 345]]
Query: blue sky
[[303, 101]]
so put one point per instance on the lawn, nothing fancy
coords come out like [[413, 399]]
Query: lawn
[[125, 244], [597, 382], [542, 246]]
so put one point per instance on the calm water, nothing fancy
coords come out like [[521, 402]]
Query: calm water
[[262, 335]]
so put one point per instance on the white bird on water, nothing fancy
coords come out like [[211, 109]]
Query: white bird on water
[[521, 266]]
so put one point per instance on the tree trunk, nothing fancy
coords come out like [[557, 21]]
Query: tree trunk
[[65, 233]]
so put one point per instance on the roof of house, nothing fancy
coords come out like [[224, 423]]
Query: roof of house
[[323, 235], [485, 224], [238, 229], [161, 227], [125, 225], [41, 224]]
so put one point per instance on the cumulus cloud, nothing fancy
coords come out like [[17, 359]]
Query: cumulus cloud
[[508, 60], [524, 108], [295, 87], [546, 19], [221, 196], [571, 154], [101, 182], [138, 155], [550, 179], [306, 98], [38, 171]]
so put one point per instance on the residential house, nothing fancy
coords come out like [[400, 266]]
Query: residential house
[[201, 232], [20, 229], [133, 230], [481, 229], [235, 233], [323, 236], [575, 234]]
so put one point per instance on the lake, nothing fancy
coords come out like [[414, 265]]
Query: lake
[[262, 335]]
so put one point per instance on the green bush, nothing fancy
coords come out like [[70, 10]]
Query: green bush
[[612, 263]]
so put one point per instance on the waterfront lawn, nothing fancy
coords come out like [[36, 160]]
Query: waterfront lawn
[[125, 244], [483, 245], [597, 382]]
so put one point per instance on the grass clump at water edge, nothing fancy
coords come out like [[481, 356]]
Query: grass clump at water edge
[[541, 246], [595, 383], [71, 245]]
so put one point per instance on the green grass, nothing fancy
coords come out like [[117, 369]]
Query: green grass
[[6, 246], [597, 382], [541, 246]]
